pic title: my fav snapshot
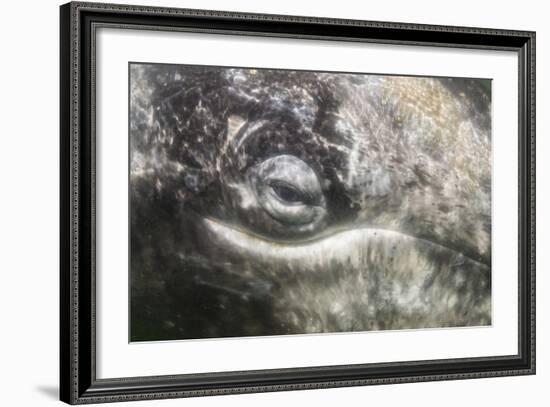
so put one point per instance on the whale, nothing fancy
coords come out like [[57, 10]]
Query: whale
[[274, 202]]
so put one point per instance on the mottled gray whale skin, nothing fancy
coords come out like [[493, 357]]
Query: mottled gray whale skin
[[268, 202]]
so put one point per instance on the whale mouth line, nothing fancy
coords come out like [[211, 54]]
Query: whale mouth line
[[233, 233]]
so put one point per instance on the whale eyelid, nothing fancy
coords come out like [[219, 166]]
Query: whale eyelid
[[289, 191], [309, 186], [308, 198]]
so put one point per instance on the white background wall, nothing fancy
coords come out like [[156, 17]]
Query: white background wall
[[29, 163]]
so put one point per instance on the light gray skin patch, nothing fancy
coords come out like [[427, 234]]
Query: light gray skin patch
[[363, 278]]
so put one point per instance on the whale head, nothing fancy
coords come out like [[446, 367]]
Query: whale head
[[269, 202]]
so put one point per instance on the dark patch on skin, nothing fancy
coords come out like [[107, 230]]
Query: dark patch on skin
[[183, 164]]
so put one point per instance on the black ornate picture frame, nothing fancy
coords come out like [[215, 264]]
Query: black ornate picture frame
[[79, 383]]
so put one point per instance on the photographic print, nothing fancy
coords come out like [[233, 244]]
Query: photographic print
[[273, 202], [291, 202]]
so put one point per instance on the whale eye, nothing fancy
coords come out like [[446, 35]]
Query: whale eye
[[289, 191]]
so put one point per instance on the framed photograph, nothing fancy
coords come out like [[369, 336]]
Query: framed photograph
[[256, 203]]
